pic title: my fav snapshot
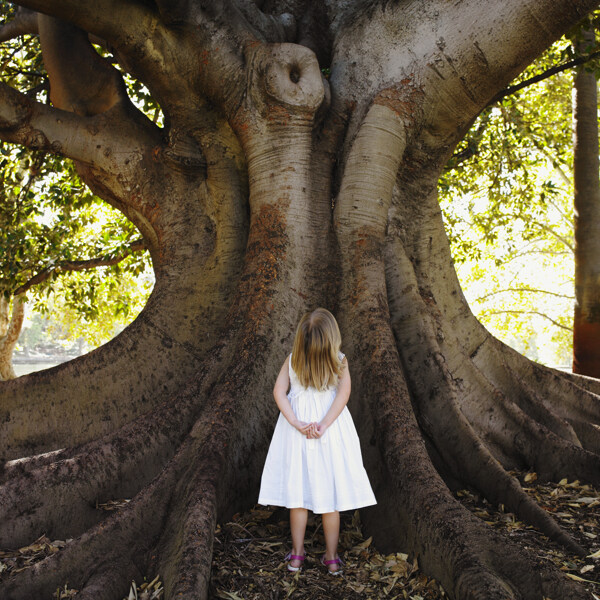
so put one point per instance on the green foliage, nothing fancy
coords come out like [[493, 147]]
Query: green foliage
[[48, 216], [507, 199], [116, 303]]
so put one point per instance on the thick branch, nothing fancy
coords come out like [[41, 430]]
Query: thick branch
[[81, 265], [460, 58], [25, 21], [92, 140], [80, 80], [111, 20]]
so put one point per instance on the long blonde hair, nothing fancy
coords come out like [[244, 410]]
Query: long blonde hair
[[315, 355]]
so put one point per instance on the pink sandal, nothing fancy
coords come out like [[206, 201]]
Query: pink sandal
[[291, 556], [335, 561]]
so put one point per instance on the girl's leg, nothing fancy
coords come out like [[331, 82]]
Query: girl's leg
[[298, 519], [331, 529]]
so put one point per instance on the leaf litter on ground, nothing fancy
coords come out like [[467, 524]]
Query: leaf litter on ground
[[249, 551], [248, 560]]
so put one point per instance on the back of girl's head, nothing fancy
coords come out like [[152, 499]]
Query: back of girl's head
[[317, 343]]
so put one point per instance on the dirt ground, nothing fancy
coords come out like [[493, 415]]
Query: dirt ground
[[249, 552]]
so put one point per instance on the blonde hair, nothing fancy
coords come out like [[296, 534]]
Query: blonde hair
[[315, 355]]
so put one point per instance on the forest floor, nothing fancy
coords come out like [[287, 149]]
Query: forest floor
[[249, 551]]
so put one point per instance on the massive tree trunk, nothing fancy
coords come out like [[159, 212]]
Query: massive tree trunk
[[272, 190], [586, 323]]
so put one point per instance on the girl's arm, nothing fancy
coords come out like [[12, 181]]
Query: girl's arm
[[280, 394], [337, 406]]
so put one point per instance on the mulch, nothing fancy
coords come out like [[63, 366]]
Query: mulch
[[249, 551]]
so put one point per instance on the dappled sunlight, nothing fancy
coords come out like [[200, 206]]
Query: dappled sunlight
[[507, 200]]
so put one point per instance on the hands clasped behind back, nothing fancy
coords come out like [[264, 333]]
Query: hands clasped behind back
[[311, 430]]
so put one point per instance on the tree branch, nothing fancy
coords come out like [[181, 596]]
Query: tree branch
[[81, 265], [513, 89], [529, 312], [24, 21], [111, 20], [38, 126], [524, 289], [464, 64], [553, 233]]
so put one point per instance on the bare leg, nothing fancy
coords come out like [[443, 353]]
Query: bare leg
[[331, 529], [298, 518]]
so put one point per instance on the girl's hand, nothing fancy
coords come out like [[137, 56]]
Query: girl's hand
[[318, 430], [302, 427], [312, 432]]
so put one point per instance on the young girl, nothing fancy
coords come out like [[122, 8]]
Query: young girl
[[314, 461]]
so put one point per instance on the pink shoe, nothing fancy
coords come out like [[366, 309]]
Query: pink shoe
[[335, 561], [291, 556]]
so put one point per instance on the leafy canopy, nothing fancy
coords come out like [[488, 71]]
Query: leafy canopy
[[507, 200]]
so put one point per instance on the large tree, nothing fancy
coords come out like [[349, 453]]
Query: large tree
[[273, 189]]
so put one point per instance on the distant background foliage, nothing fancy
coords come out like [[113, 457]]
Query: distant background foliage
[[507, 200]]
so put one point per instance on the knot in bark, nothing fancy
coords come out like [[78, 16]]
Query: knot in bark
[[288, 76]]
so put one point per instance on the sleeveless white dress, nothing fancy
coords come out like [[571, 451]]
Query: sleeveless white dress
[[322, 475]]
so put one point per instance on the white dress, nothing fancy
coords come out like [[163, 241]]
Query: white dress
[[322, 475]]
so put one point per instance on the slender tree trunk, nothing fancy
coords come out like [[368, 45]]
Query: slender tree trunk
[[9, 334], [586, 325]]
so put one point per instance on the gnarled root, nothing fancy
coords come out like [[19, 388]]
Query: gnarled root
[[463, 553]]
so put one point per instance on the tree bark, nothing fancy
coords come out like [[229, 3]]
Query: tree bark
[[586, 173], [270, 191], [10, 330]]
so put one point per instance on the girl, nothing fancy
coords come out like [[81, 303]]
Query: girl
[[314, 461]]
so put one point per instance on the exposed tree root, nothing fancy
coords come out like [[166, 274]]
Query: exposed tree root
[[527, 431], [118, 465], [588, 434], [442, 414], [562, 392], [116, 543], [79, 415], [185, 548], [489, 567]]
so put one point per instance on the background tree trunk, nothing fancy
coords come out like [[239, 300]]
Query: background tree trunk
[[586, 324], [10, 329]]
